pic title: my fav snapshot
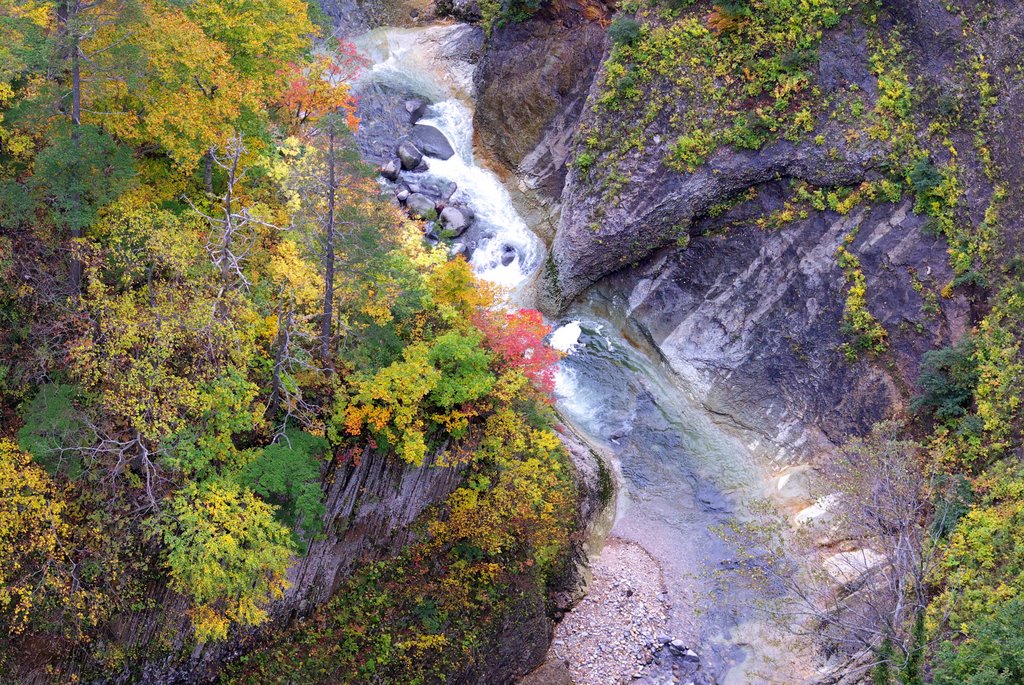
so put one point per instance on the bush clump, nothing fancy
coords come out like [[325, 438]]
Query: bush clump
[[624, 31]]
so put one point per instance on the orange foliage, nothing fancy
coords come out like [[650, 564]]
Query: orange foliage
[[322, 87]]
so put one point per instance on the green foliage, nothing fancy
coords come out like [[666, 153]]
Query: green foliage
[[516, 11], [287, 474], [79, 172], [178, 395], [983, 563], [993, 654], [464, 366], [584, 161], [624, 30], [226, 553], [741, 75], [498, 13], [924, 177], [868, 334], [53, 431], [224, 410], [947, 381]]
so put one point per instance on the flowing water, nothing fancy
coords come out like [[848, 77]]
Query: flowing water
[[681, 475]]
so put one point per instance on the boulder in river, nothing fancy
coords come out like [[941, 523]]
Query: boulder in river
[[448, 191], [416, 109], [455, 222], [391, 168], [421, 206], [508, 255], [431, 142], [409, 154], [403, 195]]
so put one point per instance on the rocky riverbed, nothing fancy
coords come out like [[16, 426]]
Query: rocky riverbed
[[617, 633], [607, 638]]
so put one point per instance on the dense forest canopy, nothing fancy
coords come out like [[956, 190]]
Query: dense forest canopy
[[207, 310]]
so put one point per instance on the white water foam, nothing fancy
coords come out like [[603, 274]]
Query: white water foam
[[499, 224], [565, 338], [506, 252]]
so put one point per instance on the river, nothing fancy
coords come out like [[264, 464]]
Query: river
[[681, 475]]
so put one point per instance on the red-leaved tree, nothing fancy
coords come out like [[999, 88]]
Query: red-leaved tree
[[518, 339]]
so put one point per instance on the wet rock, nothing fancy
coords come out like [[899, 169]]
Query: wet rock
[[391, 169], [403, 195], [454, 221], [431, 142], [768, 309], [449, 191], [421, 206], [409, 154], [416, 109], [508, 255]]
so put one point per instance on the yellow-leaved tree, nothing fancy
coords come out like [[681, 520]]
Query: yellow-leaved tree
[[32, 530], [227, 553]]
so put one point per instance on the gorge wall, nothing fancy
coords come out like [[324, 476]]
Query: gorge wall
[[732, 276]]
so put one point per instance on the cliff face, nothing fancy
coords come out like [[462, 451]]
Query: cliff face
[[605, 227], [532, 84], [369, 509], [736, 280], [753, 321]]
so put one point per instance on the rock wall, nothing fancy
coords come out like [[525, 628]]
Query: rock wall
[[752, 318], [532, 84], [602, 230], [369, 508]]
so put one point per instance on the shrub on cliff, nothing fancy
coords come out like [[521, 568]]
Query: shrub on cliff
[[993, 654], [947, 381], [624, 31]]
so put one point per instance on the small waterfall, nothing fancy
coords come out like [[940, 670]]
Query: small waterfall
[[506, 252]]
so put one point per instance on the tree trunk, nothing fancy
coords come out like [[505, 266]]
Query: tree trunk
[[68, 18], [208, 172], [327, 323], [284, 324]]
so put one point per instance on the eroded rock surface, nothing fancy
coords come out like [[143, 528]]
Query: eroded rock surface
[[532, 84], [753, 320], [752, 316]]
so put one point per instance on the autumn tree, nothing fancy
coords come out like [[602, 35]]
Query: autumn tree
[[322, 87], [329, 163], [226, 553], [518, 338], [88, 46], [33, 535]]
